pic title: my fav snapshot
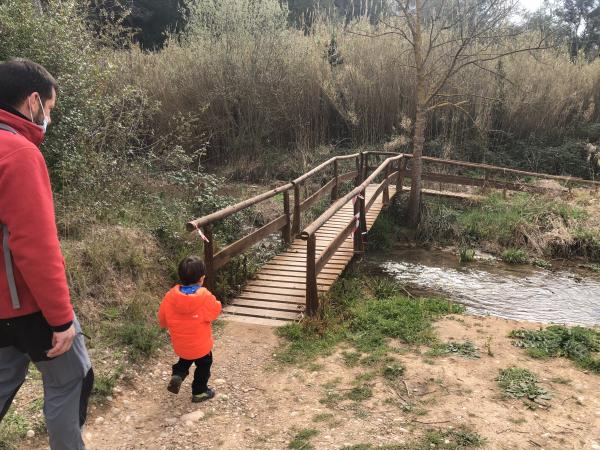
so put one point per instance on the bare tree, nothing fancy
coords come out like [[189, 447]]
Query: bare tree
[[445, 37]]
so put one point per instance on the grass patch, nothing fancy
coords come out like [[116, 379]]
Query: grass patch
[[465, 349], [351, 359], [323, 417], [302, 438], [104, 384], [393, 371], [521, 383], [542, 263], [355, 315], [12, 430], [452, 439], [514, 256], [360, 393], [407, 319], [521, 221], [141, 339], [466, 255], [579, 344]]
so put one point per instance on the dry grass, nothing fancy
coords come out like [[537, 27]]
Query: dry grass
[[251, 92]]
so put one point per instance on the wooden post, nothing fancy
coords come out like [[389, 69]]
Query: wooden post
[[386, 189], [210, 281], [287, 229], [357, 236], [363, 219], [296, 225], [312, 294], [365, 173], [336, 176], [359, 168], [400, 178]]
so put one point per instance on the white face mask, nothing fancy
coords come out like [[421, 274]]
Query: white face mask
[[44, 124]]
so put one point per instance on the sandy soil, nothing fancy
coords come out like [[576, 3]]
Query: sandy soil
[[261, 405]]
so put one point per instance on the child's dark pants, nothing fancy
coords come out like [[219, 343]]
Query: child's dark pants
[[201, 374]]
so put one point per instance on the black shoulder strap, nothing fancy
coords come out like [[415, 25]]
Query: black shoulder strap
[[5, 127]]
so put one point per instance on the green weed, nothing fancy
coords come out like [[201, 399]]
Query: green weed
[[542, 263], [521, 383], [393, 371], [579, 344], [12, 430], [514, 256], [302, 438], [141, 339], [323, 417], [466, 255], [351, 359], [465, 349]]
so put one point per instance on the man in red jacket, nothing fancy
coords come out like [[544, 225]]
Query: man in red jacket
[[37, 323]]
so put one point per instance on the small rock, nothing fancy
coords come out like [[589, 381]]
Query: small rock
[[189, 423], [109, 399], [99, 420], [595, 446], [193, 416], [546, 435], [446, 441], [293, 413], [580, 399], [30, 434], [598, 413], [220, 381], [402, 430], [224, 397], [171, 420]]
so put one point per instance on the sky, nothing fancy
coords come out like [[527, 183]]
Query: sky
[[531, 5]]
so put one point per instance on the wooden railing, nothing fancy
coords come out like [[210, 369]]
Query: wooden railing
[[289, 223], [393, 169], [315, 264]]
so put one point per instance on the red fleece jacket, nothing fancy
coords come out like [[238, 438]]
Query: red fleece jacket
[[27, 208]]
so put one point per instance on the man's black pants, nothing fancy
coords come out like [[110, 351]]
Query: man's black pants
[[201, 374]]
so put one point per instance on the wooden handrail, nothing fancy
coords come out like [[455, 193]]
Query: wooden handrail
[[321, 166], [452, 162], [226, 212]]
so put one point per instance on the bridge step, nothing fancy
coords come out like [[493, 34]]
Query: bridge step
[[254, 320], [266, 313]]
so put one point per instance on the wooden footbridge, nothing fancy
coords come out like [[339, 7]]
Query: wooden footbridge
[[288, 286]]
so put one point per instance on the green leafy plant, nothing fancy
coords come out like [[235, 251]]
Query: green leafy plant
[[579, 344], [521, 383]]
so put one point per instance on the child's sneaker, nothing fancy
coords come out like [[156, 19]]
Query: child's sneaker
[[197, 398], [175, 384]]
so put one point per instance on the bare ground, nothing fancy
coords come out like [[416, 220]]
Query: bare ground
[[261, 404]]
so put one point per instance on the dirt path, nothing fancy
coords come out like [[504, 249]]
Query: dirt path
[[260, 406]]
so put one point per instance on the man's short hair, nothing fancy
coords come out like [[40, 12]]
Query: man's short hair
[[191, 269], [19, 78]]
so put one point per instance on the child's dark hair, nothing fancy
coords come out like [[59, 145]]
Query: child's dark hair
[[191, 269]]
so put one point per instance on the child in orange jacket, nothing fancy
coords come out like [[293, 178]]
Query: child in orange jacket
[[187, 311]]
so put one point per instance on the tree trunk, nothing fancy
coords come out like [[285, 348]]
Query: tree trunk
[[414, 202]]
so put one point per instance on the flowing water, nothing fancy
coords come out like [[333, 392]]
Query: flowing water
[[494, 288]]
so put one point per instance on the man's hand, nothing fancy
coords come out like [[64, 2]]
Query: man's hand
[[61, 342]]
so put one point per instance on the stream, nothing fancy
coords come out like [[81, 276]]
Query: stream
[[564, 295]]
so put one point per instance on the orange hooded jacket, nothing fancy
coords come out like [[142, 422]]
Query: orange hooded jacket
[[188, 319]]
